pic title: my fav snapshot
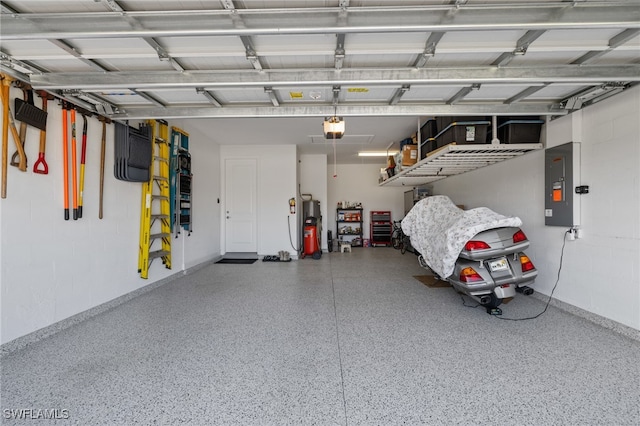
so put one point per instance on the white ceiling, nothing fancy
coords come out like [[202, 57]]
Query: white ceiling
[[267, 72]]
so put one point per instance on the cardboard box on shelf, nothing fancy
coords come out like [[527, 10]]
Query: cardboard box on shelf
[[409, 155]]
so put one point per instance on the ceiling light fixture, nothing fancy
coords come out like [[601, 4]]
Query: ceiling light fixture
[[333, 127]]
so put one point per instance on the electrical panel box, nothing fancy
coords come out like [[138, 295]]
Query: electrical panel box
[[562, 171]]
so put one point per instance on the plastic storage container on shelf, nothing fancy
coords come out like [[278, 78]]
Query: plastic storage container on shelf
[[428, 130], [463, 133], [520, 131], [443, 122], [427, 146]]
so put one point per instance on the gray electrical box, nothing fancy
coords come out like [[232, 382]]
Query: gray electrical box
[[561, 172]]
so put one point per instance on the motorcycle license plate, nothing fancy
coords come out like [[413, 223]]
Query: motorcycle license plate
[[498, 264]]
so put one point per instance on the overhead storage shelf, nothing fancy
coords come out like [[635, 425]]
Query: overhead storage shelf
[[452, 159]]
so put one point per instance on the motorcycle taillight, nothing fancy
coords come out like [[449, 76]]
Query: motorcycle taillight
[[519, 236], [469, 274], [526, 263], [476, 245]]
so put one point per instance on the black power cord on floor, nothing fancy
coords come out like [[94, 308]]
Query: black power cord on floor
[[464, 302], [564, 241]]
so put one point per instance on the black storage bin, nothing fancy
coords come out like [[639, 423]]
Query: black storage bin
[[504, 118], [463, 133], [427, 146], [520, 131], [428, 130], [444, 121]]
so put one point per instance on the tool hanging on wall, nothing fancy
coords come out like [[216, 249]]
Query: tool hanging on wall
[[22, 133], [27, 112], [5, 135], [22, 163], [74, 164], [65, 158], [28, 115], [103, 148], [83, 154], [41, 166], [8, 123]]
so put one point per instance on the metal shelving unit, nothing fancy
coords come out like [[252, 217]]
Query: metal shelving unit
[[349, 225], [452, 159]]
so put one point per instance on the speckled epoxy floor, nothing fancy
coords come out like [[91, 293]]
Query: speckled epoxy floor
[[350, 339]]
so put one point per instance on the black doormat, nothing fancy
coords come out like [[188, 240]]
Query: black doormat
[[237, 261]]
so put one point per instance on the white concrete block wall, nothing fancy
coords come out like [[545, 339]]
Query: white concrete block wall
[[600, 273], [52, 269]]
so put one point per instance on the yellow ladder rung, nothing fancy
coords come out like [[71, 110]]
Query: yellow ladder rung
[[158, 253], [159, 235]]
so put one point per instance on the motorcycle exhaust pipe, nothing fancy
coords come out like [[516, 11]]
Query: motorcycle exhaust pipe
[[483, 300], [526, 290]]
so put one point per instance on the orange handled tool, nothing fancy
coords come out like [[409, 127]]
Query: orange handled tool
[[65, 158], [74, 166], [4, 90]]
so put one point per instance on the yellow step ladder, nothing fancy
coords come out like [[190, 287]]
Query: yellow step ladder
[[155, 221]]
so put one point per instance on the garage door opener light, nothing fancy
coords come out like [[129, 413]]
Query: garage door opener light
[[333, 127]]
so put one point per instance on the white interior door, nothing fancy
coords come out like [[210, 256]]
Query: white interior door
[[240, 205]]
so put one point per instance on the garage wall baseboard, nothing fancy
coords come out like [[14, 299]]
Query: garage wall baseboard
[[43, 333], [590, 316]]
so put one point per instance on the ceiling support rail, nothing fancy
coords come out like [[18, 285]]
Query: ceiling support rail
[[614, 42], [373, 77]]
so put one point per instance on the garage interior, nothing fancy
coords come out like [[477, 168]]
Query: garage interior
[[350, 338]]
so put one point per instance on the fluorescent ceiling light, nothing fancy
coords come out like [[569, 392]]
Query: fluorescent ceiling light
[[376, 153]]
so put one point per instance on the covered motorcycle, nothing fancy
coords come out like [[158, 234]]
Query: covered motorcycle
[[478, 251]]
